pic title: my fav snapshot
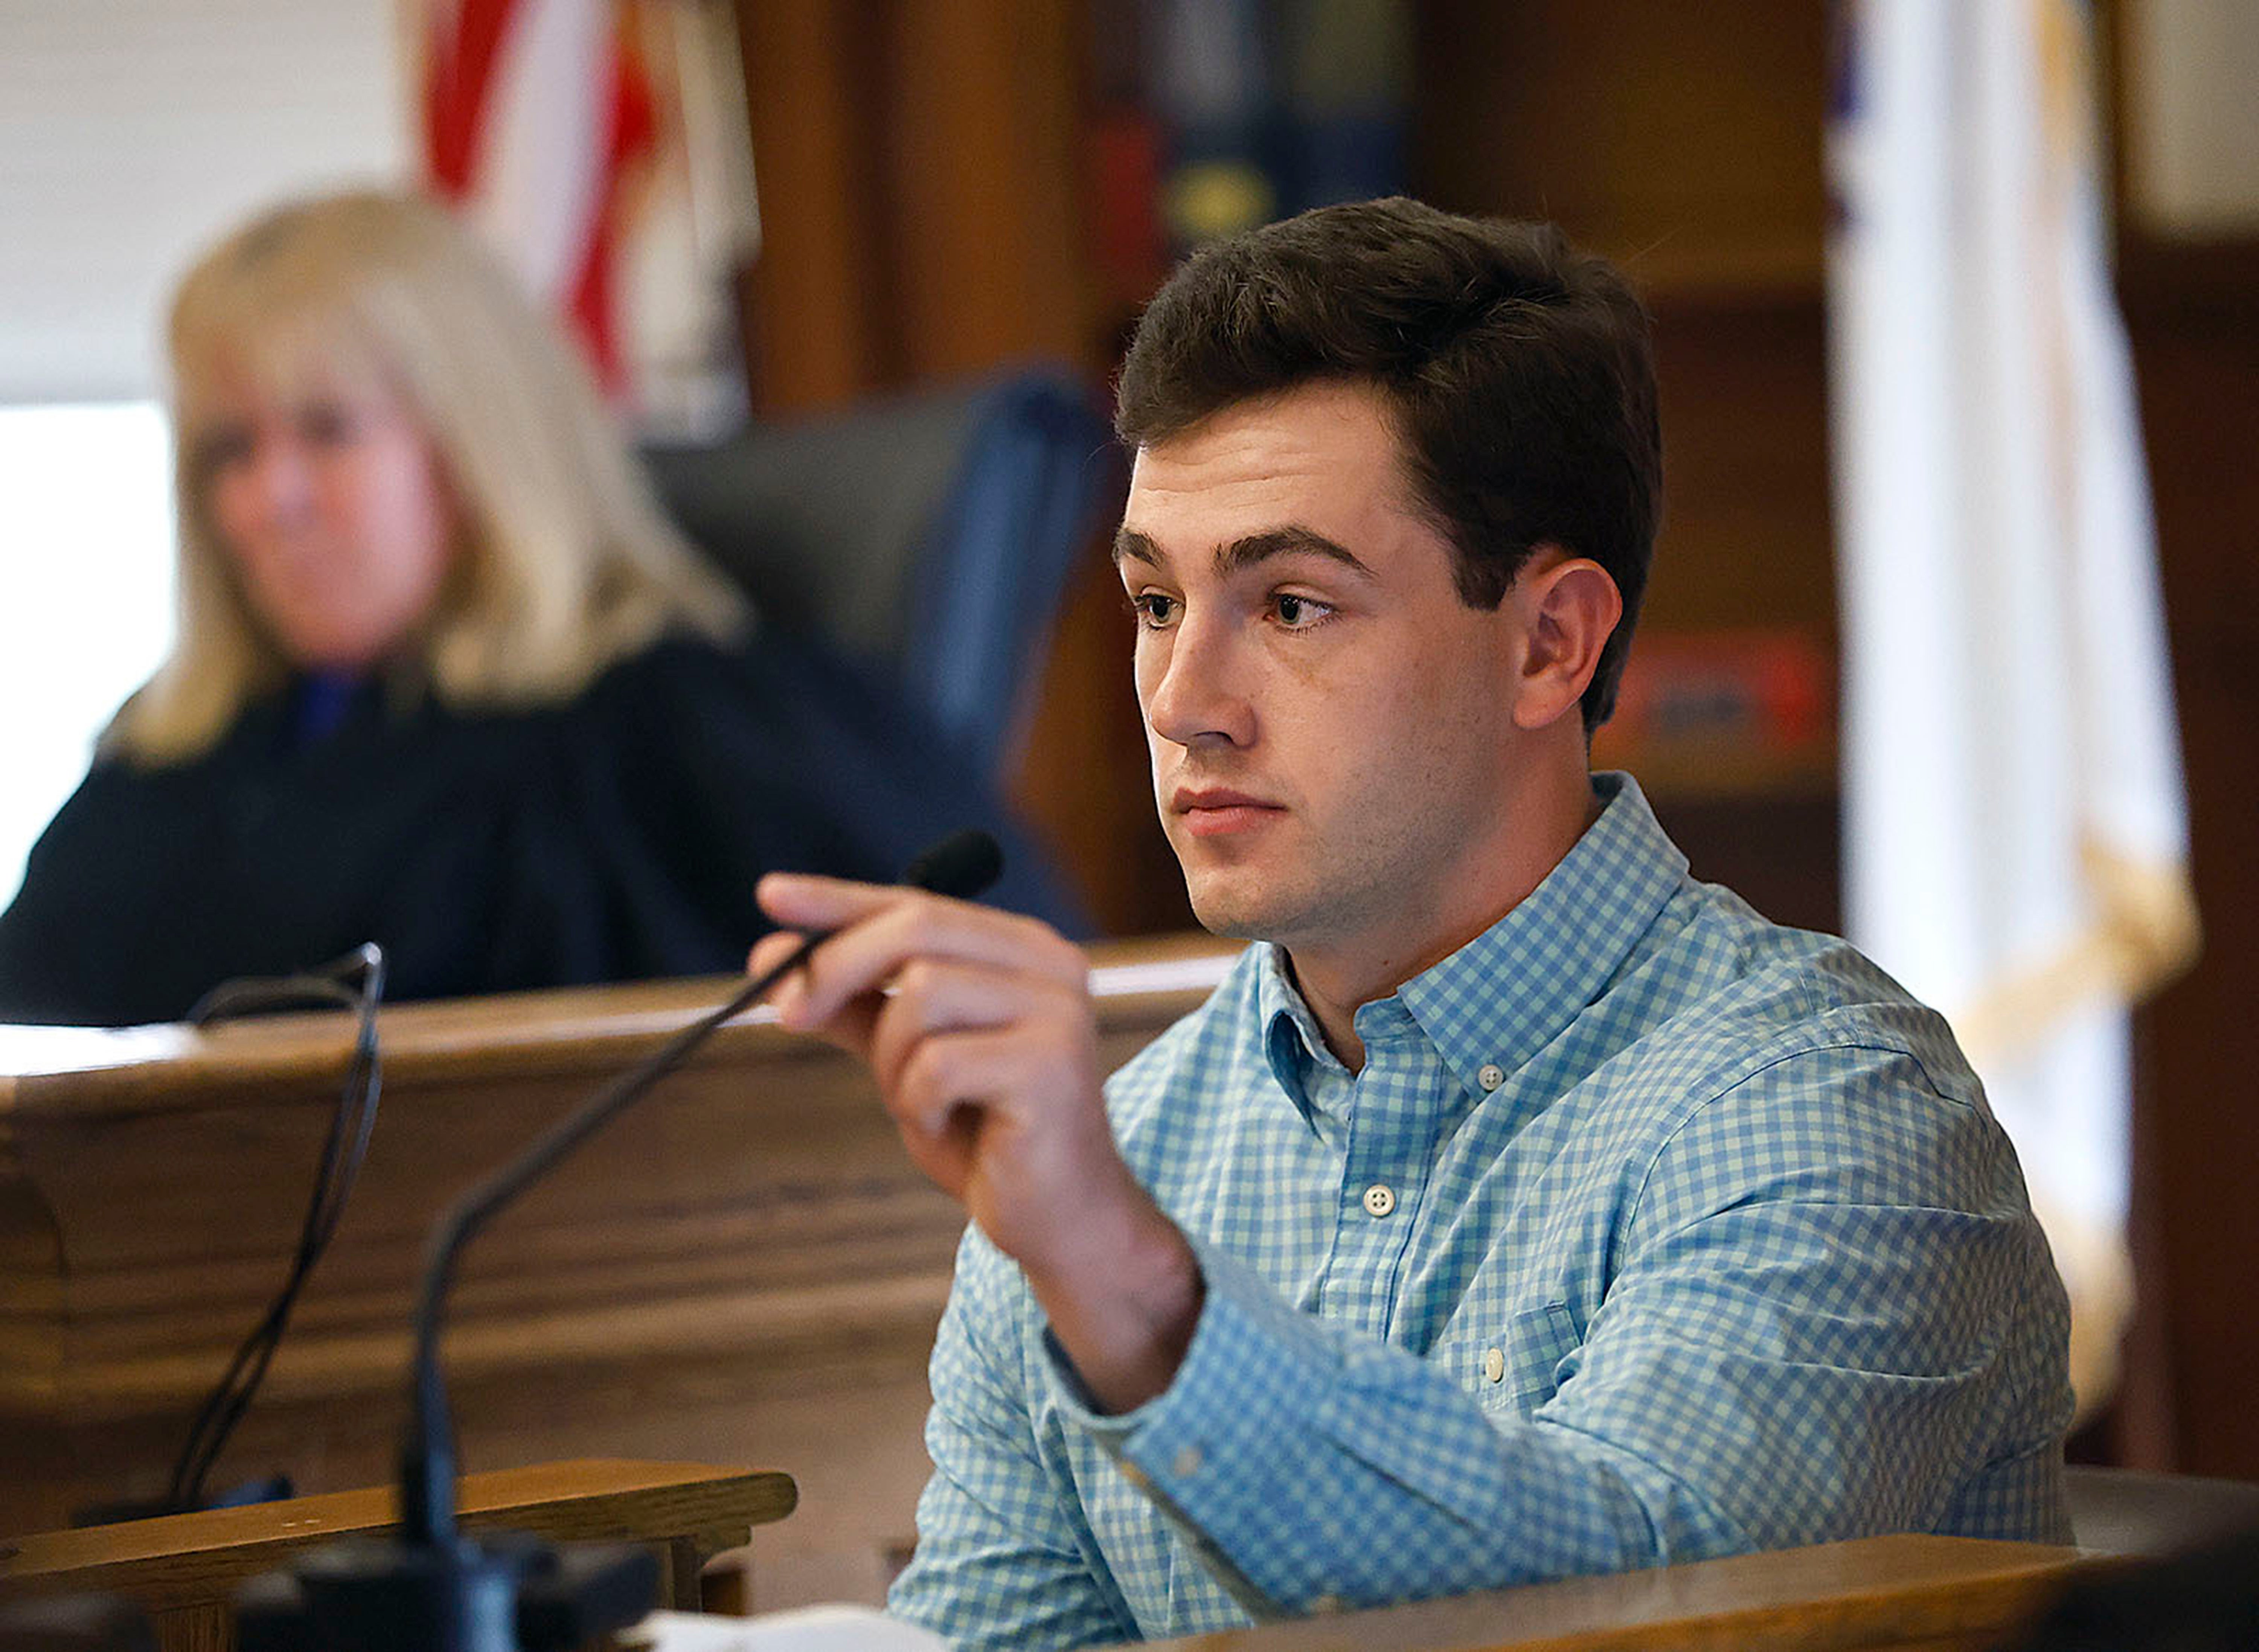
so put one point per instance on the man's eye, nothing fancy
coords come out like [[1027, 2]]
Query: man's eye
[[1154, 610], [1299, 613]]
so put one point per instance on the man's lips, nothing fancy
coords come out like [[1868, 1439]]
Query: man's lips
[[1216, 810]]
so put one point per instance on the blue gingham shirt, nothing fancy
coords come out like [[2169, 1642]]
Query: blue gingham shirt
[[1649, 1231]]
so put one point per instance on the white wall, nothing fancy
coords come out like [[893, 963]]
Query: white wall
[[85, 593]]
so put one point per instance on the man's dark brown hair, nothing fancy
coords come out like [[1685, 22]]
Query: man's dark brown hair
[[1518, 369]]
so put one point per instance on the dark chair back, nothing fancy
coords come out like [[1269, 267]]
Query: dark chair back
[[929, 537]]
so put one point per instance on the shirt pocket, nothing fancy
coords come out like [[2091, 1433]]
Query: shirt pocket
[[1536, 1343]]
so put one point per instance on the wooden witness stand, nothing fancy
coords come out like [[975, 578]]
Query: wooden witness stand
[[184, 1569], [747, 1269]]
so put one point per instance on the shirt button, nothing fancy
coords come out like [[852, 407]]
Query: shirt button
[[1187, 1463], [1494, 1366], [1135, 1476], [1492, 1076], [1378, 1199]]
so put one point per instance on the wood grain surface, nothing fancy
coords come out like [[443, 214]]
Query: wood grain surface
[[1898, 1592], [179, 1559]]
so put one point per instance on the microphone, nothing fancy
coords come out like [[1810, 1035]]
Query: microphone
[[433, 1587], [961, 865]]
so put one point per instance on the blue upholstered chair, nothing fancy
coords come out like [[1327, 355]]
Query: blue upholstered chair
[[930, 536]]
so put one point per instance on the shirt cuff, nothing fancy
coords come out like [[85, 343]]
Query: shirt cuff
[[1211, 1450]]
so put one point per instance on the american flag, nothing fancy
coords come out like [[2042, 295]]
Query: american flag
[[535, 112]]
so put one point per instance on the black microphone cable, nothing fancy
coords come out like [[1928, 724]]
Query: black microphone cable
[[355, 982]]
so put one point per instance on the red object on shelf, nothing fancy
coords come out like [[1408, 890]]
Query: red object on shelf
[[1130, 251], [1767, 690]]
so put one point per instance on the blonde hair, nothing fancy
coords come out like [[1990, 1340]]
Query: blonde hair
[[566, 565]]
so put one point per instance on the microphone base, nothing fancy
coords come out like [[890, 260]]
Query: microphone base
[[500, 1591]]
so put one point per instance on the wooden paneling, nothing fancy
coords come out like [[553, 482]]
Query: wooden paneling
[[2194, 319], [919, 170], [1747, 537], [818, 333], [1683, 141], [984, 149]]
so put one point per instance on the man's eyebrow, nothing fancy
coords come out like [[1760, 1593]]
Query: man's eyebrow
[[1129, 546], [1291, 541]]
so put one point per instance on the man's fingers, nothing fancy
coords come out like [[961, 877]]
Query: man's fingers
[[902, 925], [930, 997], [926, 993], [850, 1026], [979, 1027], [950, 1081], [803, 900], [771, 950]]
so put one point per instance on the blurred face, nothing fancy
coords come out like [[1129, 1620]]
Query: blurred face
[[330, 505], [1332, 733]]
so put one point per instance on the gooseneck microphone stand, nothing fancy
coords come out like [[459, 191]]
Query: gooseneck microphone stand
[[429, 1585]]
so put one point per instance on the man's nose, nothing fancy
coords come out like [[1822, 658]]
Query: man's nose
[[1201, 696]]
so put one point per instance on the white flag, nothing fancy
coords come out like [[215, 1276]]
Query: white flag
[[2016, 844]]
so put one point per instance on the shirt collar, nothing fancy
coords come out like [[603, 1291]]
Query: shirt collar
[[1506, 994], [1291, 1040]]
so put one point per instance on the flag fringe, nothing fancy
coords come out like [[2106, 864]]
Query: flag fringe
[[2145, 932]]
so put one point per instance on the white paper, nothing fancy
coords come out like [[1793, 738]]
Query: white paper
[[808, 1630]]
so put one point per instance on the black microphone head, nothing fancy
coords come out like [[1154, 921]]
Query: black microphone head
[[961, 865]]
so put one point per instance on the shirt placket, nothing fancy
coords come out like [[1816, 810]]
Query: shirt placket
[[1384, 1172]]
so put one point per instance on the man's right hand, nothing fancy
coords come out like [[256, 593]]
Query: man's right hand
[[978, 1026]]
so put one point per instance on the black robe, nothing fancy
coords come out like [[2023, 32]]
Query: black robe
[[616, 837]]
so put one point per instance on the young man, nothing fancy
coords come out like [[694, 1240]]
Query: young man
[[1519, 1207]]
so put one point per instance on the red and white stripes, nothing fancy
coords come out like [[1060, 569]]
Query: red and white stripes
[[534, 113]]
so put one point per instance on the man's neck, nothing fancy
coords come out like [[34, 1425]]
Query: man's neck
[[1336, 980]]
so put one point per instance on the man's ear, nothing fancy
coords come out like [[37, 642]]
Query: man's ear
[[1569, 608]]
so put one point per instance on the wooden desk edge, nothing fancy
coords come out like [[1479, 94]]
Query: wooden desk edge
[[1875, 1592], [86, 1072], [178, 1558]]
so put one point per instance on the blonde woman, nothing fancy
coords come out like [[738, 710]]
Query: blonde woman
[[445, 677]]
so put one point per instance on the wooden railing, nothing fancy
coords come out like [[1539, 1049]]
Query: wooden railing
[[184, 1569]]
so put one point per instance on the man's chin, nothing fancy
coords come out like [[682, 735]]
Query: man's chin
[[1243, 890], [1239, 913]]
